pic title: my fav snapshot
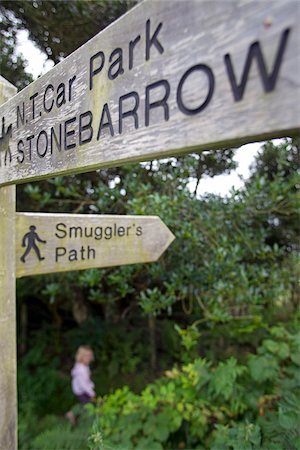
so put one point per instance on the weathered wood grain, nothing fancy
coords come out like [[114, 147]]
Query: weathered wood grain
[[82, 241], [190, 57], [8, 353]]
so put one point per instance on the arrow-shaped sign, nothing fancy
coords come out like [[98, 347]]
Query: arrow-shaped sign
[[61, 242], [167, 78]]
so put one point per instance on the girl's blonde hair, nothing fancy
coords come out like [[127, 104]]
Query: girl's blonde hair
[[81, 351]]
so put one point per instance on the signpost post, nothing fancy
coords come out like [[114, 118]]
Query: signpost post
[[191, 76], [8, 344]]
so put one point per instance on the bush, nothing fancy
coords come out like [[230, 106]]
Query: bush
[[231, 405]]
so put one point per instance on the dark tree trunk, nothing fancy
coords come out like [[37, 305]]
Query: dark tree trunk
[[23, 328], [152, 337]]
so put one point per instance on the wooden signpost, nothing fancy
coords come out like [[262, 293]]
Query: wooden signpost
[[8, 338], [168, 78], [61, 242]]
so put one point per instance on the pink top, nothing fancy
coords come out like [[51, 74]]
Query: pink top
[[81, 380]]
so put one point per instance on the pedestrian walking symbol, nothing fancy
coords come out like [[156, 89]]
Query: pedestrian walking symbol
[[30, 239]]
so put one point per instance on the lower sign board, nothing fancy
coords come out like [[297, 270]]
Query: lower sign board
[[169, 77], [61, 242]]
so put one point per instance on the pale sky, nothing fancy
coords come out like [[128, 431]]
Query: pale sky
[[221, 184]]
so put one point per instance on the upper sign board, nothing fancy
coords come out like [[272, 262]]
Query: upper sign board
[[168, 77], [48, 243]]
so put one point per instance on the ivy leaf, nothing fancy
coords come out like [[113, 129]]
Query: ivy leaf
[[148, 444], [263, 368], [295, 349], [288, 419], [281, 349], [224, 378]]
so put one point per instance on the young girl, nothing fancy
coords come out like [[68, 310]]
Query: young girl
[[82, 385]]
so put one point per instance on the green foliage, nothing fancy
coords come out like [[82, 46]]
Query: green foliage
[[276, 177], [12, 66], [60, 27], [52, 432], [219, 407], [63, 437], [264, 368], [120, 351], [189, 337], [27, 421], [40, 378], [223, 381], [213, 298], [226, 280], [242, 437]]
